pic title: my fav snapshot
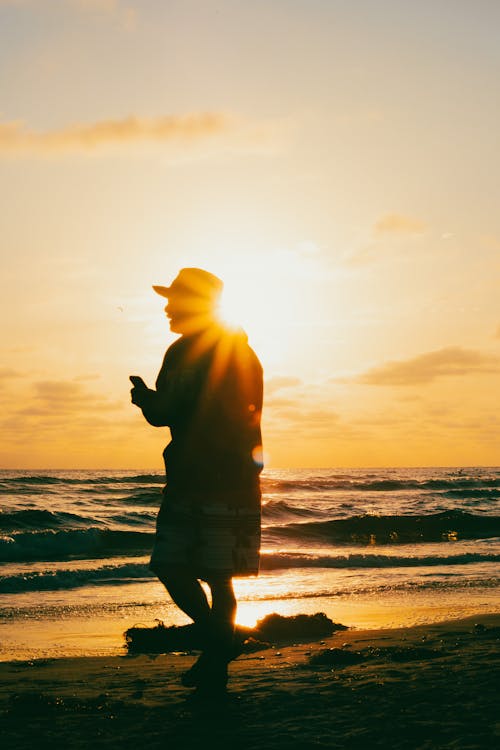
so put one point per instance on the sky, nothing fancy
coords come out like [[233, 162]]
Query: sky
[[336, 162]]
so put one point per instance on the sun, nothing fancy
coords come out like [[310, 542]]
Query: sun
[[262, 301], [239, 305]]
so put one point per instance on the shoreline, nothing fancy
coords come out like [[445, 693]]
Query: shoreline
[[428, 686], [31, 634]]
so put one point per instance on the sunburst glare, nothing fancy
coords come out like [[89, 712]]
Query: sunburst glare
[[260, 295]]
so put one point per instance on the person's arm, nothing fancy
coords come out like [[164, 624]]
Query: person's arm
[[151, 404], [176, 393], [154, 403]]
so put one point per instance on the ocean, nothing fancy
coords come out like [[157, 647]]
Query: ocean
[[369, 547]]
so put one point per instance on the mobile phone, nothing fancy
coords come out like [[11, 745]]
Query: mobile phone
[[137, 381]]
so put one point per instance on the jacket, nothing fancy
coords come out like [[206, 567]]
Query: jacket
[[209, 392]]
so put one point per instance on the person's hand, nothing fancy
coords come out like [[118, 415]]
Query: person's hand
[[138, 393]]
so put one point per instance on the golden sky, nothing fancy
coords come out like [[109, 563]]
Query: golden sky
[[335, 162]]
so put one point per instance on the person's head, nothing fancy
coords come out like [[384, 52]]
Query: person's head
[[192, 297]]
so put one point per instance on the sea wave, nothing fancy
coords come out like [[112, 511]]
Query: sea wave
[[74, 578], [321, 482], [92, 538], [275, 561], [33, 518], [147, 497], [444, 526], [281, 510], [73, 543], [364, 484], [419, 585], [475, 493], [6, 482], [123, 573]]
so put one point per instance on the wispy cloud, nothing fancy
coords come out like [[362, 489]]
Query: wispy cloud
[[56, 399], [53, 397], [58, 418], [427, 367], [15, 137], [117, 10], [292, 405], [124, 14], [398, 224], [6, 373], [8, 376], [388, 234], [106, 6], [280, 382]]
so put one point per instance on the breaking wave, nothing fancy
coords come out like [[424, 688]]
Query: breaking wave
[[444, 526], [73, 543], [119, 574]]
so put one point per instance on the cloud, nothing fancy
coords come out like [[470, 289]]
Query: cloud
[[310, 418], [7, 373], [16, 138], [70, 394], [53, 398], [113, 9], [292, 407], [388, 233], [60, 418], [90, 376], [125, 15], [427, 367], [67, 423], [398, 224], [106, 6], [279, 382], [58, 392]]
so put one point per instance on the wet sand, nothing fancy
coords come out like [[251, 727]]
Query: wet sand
[[427, 687]]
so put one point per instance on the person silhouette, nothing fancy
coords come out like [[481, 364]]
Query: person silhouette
[[209, 392]]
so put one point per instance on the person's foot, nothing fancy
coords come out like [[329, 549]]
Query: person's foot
[[195, 674], [212, 681], [208, 674]]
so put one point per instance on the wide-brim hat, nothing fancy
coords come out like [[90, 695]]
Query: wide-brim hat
[[193, 282]]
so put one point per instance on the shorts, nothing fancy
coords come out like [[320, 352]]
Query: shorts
[[209, 539]]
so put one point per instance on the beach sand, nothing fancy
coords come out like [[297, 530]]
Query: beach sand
[[427, 687]]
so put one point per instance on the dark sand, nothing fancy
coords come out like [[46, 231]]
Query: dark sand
[[427, 687]]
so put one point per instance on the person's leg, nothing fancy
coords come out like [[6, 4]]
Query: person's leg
[[188, 594], [222, 618], [223, 600], [215, 623], [209, 673]]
